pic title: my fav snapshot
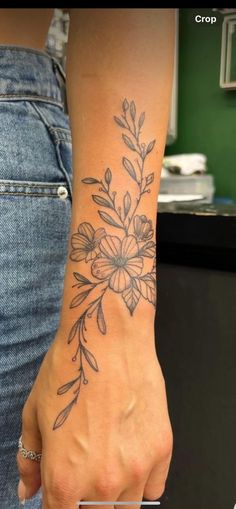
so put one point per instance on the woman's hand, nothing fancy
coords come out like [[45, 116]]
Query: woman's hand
[[116, 444]]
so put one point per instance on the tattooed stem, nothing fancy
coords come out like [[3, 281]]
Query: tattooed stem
[[113, 205]]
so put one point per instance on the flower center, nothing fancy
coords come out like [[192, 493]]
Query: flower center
[[119, 261], [90, 246]]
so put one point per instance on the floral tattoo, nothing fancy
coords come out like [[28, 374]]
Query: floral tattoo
[[117, 263]]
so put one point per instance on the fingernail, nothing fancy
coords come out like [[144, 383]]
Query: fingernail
[[21, 492]]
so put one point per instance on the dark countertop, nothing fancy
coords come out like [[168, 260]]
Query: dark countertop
[[197, 235]]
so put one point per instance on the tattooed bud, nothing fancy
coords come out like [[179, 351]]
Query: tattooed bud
[[85, 381], [74, 358], [132, 110], [125, 105], [108, 176]]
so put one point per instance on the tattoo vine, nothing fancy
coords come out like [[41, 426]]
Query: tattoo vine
[[117, 263]]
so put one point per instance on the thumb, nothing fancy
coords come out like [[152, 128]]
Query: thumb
[[29, 470]]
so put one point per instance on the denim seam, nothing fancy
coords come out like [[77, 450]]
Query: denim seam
[[18, 183], [40, 195], [61, 136], [41, 98]]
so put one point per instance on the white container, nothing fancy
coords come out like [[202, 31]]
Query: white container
[[199, 185]]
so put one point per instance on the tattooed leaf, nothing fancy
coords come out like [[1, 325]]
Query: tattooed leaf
[[131, 297], [101, 201], [150, 146], [128, 142], [149, 250], [62, 416], [119, 122], [73, 331], [78, 299], [149, 178], [109, 220], [108, 176], [125, 105], [90, 180], [127, 203], [90, 358], [147, 287], [81, 279], [64, 388], [141, 119], [129, 167], [101, 320], [132, 110]]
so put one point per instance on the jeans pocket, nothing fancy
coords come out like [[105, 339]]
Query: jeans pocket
[[34, 231], [58, 129]]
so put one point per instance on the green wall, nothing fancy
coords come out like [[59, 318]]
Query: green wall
[[206, 113]]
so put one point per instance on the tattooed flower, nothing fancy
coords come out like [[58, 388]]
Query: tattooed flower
[[143, 228], [85, 243], [118, 261]]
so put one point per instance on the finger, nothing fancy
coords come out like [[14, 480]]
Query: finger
[[29, 470], [131, 495], [155, 484]]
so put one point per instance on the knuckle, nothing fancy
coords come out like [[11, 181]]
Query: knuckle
[[58, 490], [138, 470], [106, 484], [59, 485]]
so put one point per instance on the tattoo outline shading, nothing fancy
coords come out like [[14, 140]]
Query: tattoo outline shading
[[115, 261]]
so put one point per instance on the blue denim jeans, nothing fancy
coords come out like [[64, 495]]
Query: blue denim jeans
[[35, 213]]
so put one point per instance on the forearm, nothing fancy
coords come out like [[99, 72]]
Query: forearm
[[119, 69], [113, 55]]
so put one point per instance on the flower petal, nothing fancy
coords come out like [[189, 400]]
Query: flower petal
[[110, 246], [143, 218], [102, 268], [137, 224], [134, 266], [77, 255], [129, 247], [99, 234], [87, 230], [78, 241], [120, 280], [92, 254]]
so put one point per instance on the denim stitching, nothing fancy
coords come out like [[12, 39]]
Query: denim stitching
[[40, 195], [30, 183], [15, 97], [61, 134]]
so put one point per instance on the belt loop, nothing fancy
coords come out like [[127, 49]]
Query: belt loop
[[60, 73], [58, 67]]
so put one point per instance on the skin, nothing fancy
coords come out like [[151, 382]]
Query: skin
[[117, 442]]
